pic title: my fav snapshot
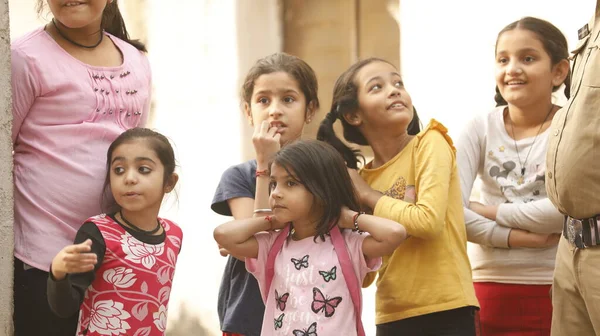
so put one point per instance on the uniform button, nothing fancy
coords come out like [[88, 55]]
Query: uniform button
[[549, 174], [556, 133]]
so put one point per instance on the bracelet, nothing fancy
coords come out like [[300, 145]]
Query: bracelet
[[268, 218], [355, 220], [262, 210], [260, 173]]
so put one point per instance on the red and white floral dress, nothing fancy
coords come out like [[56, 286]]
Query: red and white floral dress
[[131, 291]]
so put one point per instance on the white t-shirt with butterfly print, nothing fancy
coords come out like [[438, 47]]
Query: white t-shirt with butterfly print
[[308, 294]]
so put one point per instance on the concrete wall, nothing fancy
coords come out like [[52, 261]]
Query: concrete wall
[[6, 186]]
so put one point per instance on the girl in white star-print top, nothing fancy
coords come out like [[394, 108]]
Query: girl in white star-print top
[[310, 271]]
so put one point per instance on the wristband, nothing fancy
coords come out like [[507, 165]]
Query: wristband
[[260, 173]]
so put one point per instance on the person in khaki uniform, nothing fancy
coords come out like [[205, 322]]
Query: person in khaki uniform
[[573, 185]]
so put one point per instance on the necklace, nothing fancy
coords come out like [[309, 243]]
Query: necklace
[[521, 179], [64, 36], [153, 231]]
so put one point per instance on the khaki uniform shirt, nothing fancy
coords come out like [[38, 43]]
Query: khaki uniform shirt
[[573, 158]]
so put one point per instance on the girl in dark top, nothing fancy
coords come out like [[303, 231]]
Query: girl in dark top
[[279, 96]]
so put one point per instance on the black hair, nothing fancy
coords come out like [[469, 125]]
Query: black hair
[[157, 142], [345, 100], [294, 66], [321, 170], [112, 22], [553, 40]]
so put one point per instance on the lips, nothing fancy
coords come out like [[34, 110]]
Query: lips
[[131, 193], [73, 3], [398, 104], [515, 82], [278, 206]]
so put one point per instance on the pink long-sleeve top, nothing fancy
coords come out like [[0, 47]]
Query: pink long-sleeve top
[[65, 115]]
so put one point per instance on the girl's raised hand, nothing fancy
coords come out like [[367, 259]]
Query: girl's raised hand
[[266, 142], [367, 196], [74, 259], [275, 224]]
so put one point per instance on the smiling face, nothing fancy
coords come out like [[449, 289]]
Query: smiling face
[[278, 99], [78, 13], [383, 102], [137, 178], [524, 72]]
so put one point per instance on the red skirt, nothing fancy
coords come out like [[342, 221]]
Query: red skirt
[[514, 310]]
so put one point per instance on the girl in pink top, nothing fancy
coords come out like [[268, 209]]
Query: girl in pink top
[[304, 283], [77, 83]]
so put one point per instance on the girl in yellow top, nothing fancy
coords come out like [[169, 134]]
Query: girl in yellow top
[[425, 286]]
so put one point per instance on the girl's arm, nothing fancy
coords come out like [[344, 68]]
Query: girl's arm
[[539, 216], [237, 236], [434, 165], [266, 145], [25, 88], [384, 235], [482, 229], [65, 287]]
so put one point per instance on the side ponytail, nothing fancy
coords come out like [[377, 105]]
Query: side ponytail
[[327, 134], [113, 23]]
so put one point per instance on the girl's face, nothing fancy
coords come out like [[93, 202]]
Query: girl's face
[[78, 13], [290, 200], [137, 177], [382, 99], [277, 98], [524, 72]]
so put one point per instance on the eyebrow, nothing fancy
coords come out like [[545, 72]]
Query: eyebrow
[[520, 51], [379, 77], [137, 159], [281, 91]]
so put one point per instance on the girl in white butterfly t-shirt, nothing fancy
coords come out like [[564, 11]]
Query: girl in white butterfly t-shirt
[[309, 286]]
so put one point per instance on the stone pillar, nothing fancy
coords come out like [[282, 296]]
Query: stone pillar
[[6, 185]]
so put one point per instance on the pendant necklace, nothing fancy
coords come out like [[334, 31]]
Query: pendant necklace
[[521, 179]]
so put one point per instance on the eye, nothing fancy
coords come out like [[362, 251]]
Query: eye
[[118, 170], [144, 170], [399, 84], [291, 183], [375, 87], [502, 60], [529, 59], [289, 100], [272, 185], [263, 100]]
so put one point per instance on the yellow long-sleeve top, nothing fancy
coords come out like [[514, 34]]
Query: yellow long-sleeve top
[[430, 271]]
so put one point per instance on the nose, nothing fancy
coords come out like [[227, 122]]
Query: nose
[[395, 92], [513, 68], [275, 110], [276, 193], [130, 177]]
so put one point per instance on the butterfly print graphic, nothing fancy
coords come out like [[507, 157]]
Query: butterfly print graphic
[[328, 276], [300, 263], [311, 331], [279, 321], [320, 303], [280, 301]]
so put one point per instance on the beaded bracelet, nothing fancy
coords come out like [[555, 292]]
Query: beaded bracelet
[[355, 220]]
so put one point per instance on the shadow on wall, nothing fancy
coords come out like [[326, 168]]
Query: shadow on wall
[[186, 323]]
